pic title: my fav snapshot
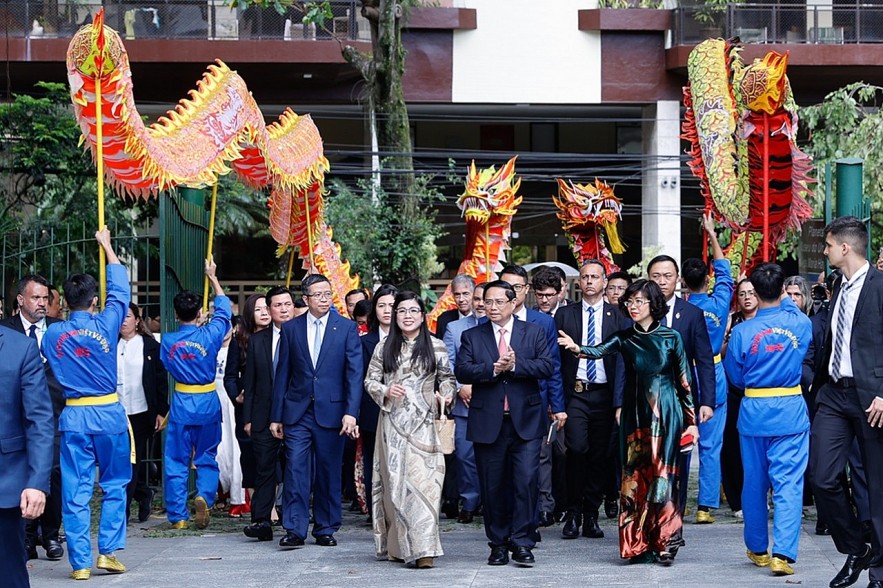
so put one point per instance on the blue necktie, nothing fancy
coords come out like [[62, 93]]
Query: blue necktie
[[276, 355], [32, 332], [591, 371], [838, 340], [317, 341]]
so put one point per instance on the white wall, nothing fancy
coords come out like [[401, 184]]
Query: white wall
[[527, 51]]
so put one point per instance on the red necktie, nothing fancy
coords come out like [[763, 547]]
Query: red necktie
[[503, 349]]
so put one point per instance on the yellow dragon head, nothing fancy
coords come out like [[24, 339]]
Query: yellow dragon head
[[583, 206], [490, 193], [764, 82]]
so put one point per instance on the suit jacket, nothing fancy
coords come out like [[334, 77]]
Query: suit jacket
[[257, 380], [864, 344], [551, 388], [334, 385], [475, 365], [154, 379], [444, 319], [453, 336], [689, 320], [55, 390], [27, 426], [369, 412], [570, 320], [813, 358]]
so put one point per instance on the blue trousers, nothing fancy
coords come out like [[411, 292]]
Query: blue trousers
[[313, 456], [711, 440], [777, 462], [467, 473], [80, 453], [181, 441], [12, 548]]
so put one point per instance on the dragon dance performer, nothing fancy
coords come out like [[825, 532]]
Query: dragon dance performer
[[715, 307], [764, 357], [82, 353], [190, 354]]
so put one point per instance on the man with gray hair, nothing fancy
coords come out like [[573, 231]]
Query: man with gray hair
[[461, 286]]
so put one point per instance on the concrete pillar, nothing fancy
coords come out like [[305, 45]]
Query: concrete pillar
[[661, 192]]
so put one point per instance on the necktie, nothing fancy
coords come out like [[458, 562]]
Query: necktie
[[276, 355], [838, 341], [317, 341], [32, 332], [591, 370], [503, 349]]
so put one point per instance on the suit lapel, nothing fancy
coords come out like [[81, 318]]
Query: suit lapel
[[300, 336], [490, 340], [863, 295], [580, 327], [330, 332]]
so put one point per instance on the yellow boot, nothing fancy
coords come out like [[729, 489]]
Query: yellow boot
[[110, 563], [203, 514], [761, 560], [703, 517], [180, 525], [83, 574], [780, 567]]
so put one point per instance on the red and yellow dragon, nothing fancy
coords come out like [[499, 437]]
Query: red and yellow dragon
[[757, 188], [488, 204], [588, 213], [218, 130]]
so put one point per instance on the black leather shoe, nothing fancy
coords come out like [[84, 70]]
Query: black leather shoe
[[450, 509], [875, 584], [572, 523], [499, 556], [261, 530], [535, 536], [291, 541], [326, 540], [546, 519], [523, 556], [54, 550], [852, 569], [611, 508], [591, 529], [465, 517], [145, 505], [665, 558], [32, 551]]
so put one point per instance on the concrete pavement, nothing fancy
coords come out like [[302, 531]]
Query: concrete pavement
[[223, 557]]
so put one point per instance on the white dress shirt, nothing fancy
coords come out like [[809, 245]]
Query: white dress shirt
[[311, 332], [277, 332], [130, 371], [41, 328], [582, 369], [849, 297]]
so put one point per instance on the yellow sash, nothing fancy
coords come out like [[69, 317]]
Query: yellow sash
[[194, 388], [770, 392]]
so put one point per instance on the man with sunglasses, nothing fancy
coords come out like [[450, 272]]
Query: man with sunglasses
[[317, 392]]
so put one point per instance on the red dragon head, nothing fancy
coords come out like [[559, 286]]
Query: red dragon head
[[585, 210]]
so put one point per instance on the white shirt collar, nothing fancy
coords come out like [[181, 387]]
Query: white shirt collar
[[521, 314], [508, 326]]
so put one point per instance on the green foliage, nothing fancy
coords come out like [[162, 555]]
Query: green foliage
[[849, 124], [317, 13], [378, 240]]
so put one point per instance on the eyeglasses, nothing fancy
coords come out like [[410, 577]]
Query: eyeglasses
[[408, 311], [545, 296], [519, 287], [616, 288], [492, 303], [320, 295], [636, 302]]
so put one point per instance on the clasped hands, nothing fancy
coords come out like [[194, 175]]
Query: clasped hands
[[505, 364]]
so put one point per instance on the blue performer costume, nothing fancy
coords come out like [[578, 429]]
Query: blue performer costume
[[764, 358], [82, 352], [190, 355], [716, 309]]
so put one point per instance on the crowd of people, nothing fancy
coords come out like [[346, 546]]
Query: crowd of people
[[562, 411]]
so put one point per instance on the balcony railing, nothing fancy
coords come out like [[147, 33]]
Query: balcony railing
[[177, 19], [764, 23]]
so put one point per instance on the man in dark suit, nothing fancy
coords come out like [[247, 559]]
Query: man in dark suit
[[688, 320], [26, 430], [848, 401], [461, 287], [257, 382], [593, 390], [32, 320], [504, 359], [317, 388]]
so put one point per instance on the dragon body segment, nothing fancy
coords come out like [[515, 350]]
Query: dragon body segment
[[741, 123], [487, 204], [588, 213], [220, 129]]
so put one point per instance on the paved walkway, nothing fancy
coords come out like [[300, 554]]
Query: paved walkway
[[714, 556]]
